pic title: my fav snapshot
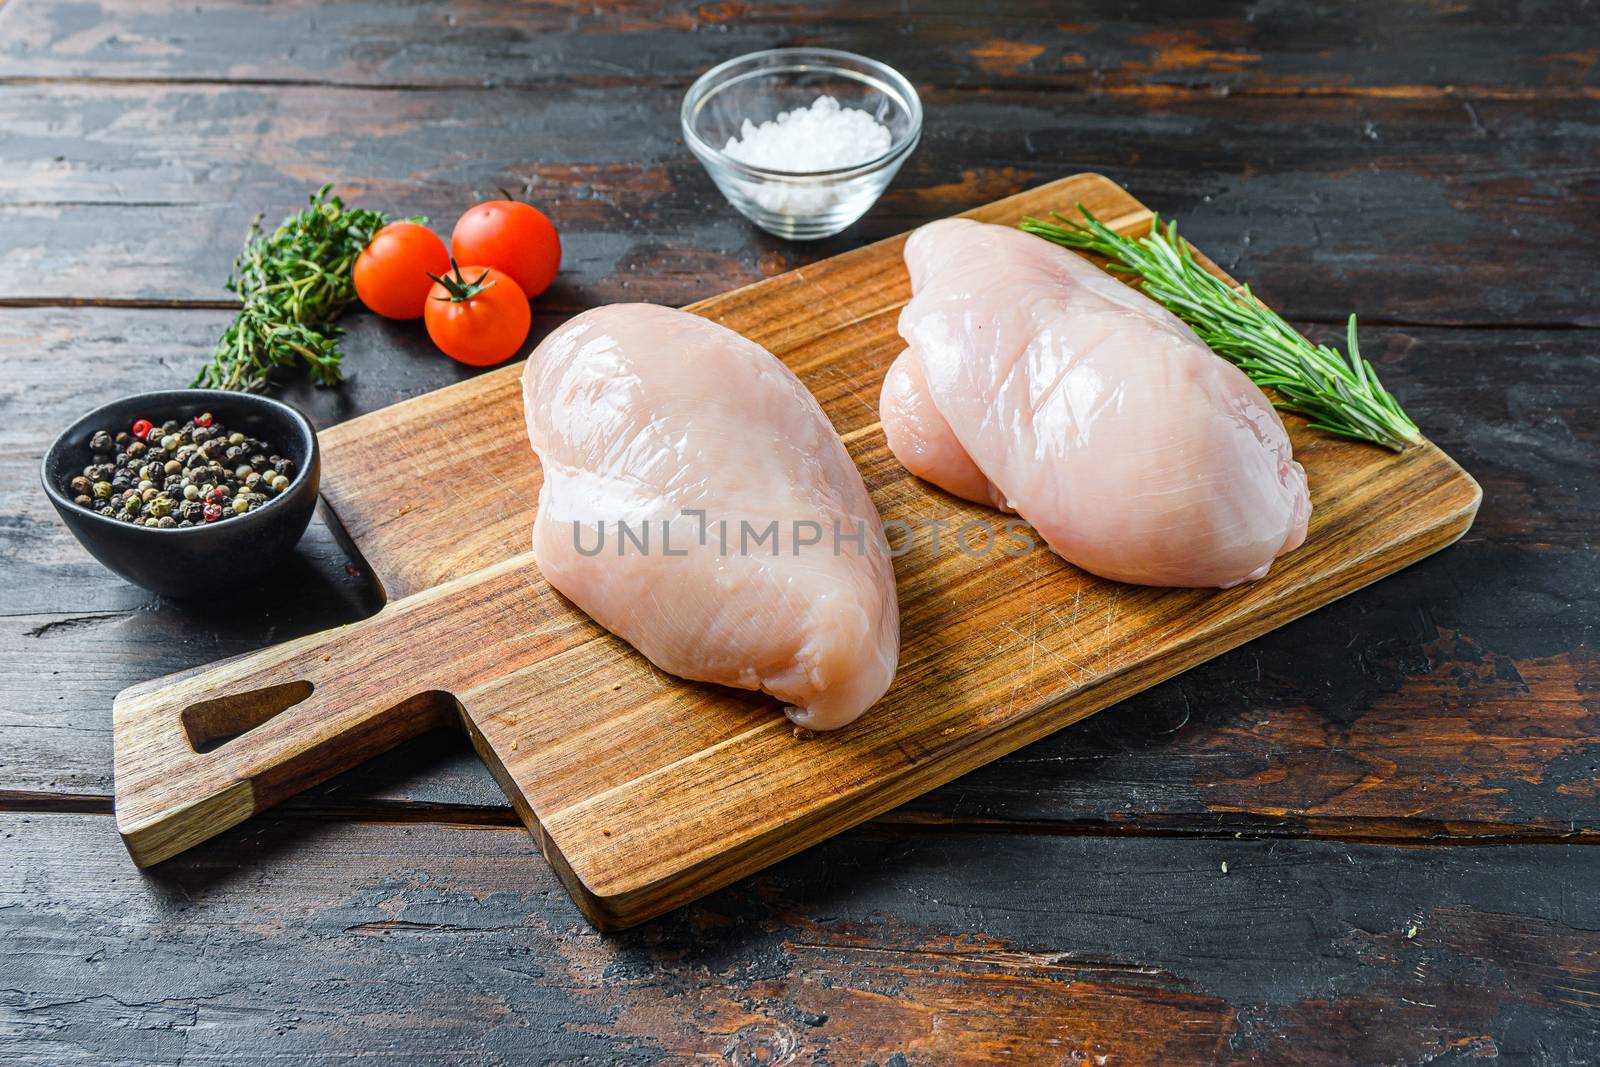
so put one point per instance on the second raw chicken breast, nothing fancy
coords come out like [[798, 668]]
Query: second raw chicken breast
[[1035, 382], [762, 564]]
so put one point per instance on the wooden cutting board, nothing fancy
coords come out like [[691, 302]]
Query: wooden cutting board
[[645, 791]]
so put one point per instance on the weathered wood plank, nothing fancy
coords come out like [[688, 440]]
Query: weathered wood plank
[[423, 944], [1455, 698], [139, 192], [1100, 46]]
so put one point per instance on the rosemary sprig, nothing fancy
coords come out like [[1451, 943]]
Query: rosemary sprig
[[1339, 394], [294, 284]]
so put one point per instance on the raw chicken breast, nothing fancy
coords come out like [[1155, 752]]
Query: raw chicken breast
[[1035, 381], [677, 426]]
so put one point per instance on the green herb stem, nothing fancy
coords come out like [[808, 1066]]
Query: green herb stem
[[294, 284], [1338, 393]]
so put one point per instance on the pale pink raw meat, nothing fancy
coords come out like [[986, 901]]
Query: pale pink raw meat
[[649, 415], [1035, 381]]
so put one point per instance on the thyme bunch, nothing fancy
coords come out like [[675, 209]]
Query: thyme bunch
[[294, 283], [1338, 393]]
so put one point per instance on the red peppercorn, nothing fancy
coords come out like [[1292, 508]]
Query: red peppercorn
[[142, 428], [203, 419], [211, 512], [218, 493]]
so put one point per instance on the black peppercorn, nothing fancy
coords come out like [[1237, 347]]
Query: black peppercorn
[[177, 474]]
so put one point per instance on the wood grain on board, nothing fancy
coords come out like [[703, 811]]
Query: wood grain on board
[[1447, 701], [644, 791]]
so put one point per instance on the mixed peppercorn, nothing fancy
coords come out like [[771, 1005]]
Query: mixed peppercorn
[[175, 475]]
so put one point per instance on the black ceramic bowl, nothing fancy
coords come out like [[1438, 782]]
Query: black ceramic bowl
[[196, 560]]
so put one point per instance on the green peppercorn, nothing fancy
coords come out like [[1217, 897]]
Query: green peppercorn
[[240, 506], [102, 490], [160, 506]]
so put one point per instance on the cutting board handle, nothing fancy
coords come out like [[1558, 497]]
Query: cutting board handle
[[199, 752]]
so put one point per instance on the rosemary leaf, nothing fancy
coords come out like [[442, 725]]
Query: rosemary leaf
[[1338, 393]]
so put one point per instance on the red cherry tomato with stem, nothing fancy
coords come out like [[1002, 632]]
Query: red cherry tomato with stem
[[512, 237], [393, 274], [477, 315]]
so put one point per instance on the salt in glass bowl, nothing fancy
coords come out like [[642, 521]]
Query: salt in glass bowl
[[799, 205]]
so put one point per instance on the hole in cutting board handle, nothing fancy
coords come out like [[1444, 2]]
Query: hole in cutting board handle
[[210, 724]]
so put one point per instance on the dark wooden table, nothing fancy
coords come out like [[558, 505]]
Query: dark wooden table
[[1367, 838]]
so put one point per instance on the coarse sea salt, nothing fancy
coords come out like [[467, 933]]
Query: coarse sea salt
[[825, 136]]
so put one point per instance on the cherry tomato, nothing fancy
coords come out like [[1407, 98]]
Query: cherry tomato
[[477, 315], [391, 274], [513, 237]]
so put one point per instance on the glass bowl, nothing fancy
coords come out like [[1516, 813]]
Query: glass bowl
[[799, 205]]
